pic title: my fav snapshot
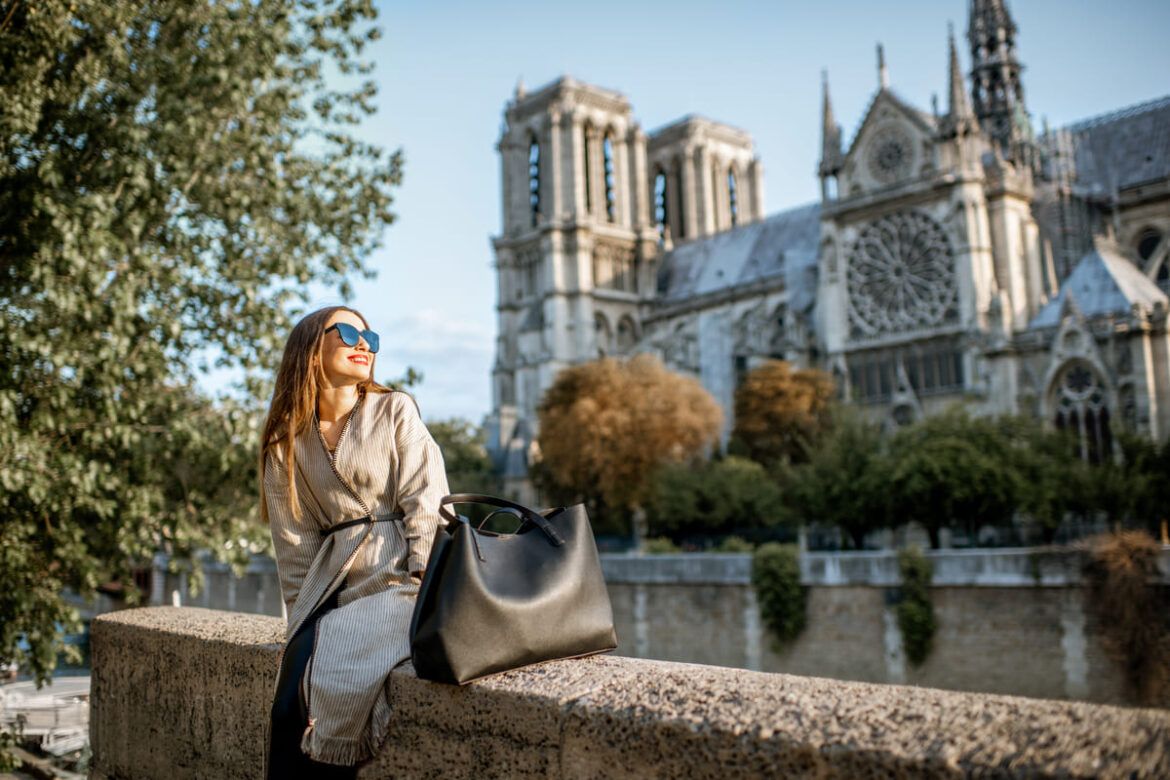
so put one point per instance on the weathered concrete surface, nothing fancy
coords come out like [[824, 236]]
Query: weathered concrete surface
[[183, 693]]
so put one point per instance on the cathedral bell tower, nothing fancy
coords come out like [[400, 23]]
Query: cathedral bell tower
[[576, 255], [996, 89]]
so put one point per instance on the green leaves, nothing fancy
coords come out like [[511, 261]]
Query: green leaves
[[164, 196], [783, 600]]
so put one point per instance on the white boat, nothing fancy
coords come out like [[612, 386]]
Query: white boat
[[57, 714]]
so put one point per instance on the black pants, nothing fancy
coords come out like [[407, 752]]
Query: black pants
[[290, 716]]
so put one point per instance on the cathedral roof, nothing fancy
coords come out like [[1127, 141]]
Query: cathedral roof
[[1124, 148], [782, 246], [1104, 282]]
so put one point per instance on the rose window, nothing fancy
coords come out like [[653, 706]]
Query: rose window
[[901, 276]]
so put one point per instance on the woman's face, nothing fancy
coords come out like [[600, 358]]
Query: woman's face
[[342, 364]]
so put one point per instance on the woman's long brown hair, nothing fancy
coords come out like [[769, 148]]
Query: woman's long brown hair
[[294, 399]]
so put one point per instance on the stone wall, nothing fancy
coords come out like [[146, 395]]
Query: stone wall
[[184, 693], [1011, 621]]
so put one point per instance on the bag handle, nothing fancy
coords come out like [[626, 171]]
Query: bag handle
[[537, 519]]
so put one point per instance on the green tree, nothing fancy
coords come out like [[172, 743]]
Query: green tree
[[714, 498], [952, 470], [469, 468], [1051, 479], [172, 174], [606, 426], [780, 413], [843, 484]]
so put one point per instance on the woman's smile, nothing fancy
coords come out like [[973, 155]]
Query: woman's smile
[[360, 359]]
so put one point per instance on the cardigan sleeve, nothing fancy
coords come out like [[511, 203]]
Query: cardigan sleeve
[[294, 542], [421, 480]]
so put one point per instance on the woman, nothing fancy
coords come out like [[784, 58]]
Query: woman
[[350, 488]]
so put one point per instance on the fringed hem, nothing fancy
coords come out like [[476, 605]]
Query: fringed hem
[[348, 752], [379, 727], [333, 750]]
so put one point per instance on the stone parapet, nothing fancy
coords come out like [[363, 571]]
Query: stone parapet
[[184, 693], [996, 567]]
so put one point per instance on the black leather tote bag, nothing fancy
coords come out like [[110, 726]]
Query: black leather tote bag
[[493, 602]]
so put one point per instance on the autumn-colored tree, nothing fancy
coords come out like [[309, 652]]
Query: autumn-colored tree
[[780, 412], [605, 426]]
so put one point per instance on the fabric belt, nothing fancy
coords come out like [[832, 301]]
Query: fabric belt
[[363, 521]]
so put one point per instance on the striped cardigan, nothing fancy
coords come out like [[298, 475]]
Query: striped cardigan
[[385, 462]]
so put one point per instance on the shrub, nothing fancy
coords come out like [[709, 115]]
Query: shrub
[[735, 544], [660, 545], [914, 610], [782, 599], [1122, 572]]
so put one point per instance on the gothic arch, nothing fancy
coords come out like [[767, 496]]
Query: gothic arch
[[734, 202], [534, 177], [587, 134], [627, 335], [603, 334], [609, 172], [661, 184], [1078, 398], [778, 329]]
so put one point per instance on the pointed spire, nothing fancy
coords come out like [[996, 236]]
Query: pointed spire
[[830, 132], [959, 113], [997, 93], [883, 73], [520, 89]]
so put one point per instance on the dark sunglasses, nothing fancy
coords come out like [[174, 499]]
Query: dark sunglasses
[[350, 335]]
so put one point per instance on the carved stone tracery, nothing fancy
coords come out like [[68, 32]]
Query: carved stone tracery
[[901, 276]]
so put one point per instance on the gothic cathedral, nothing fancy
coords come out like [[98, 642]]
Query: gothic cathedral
[[955, 256]]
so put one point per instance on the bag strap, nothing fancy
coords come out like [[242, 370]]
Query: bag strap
[[537, 519]]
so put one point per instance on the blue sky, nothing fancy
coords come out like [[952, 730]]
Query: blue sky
[[445, 70]]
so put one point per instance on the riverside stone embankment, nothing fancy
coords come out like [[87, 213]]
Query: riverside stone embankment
[[184, 693]]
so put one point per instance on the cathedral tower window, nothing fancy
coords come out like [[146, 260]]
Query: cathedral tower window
[[1147, 243], [732, 197], [534, 179], [661, 209], [610, 178], [1082, 411], [680, 209], [603, 334], [626, 335], [587, 166]]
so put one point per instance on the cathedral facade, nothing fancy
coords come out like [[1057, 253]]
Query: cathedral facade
[[955, 255]]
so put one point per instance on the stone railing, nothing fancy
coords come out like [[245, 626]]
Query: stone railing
[[184, 693]]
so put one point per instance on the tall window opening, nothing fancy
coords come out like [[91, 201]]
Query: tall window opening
[[587, 167], [715, 197], [626, 335], [661, 216], [732, 198], [602, 334], [610, 188], [534, 180], [1147, 242], [1081, 410]]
